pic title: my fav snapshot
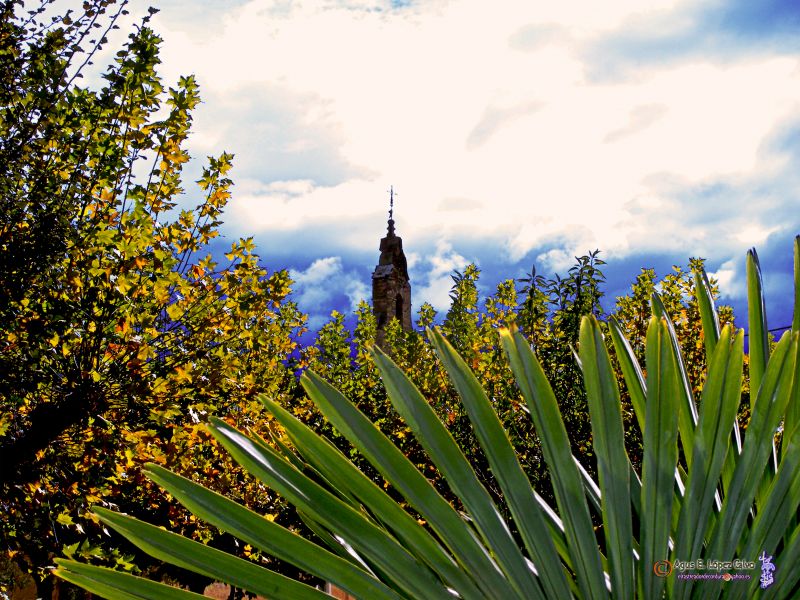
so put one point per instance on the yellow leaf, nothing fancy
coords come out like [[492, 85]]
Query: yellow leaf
[[174, 311], [123, 326], [123, 285], [145, 352], [5, 422], [64, 519], [159, 385], [182, 374]]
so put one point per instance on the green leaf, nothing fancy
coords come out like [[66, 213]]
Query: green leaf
[[708, 313], [758, 443], [660, 454], [772, 521], [344, 475], [796, 311], [711, 333], [414, 487], [194, 556], [792, 420], [631, 371], [608, 439], [372, 543], [513, 481], [458, 473], [758, 342], [116, 585], [566, 480], [687, 410], [268, 536], [718, 409], [787, 570]]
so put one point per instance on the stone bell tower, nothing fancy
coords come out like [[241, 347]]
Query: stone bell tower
[[391, 290]]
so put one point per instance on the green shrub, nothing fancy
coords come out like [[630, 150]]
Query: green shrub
[[706, 490]]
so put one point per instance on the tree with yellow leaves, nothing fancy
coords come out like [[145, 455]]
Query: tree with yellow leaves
[[119, 333]]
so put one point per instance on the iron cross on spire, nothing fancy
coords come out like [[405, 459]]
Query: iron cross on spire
[[391, 201], [391, 209]]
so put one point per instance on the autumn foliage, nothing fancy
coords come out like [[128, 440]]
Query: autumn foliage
[[121, 333]]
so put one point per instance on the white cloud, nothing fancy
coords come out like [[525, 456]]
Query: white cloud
[[312, 286], [486, 118], [316, 287], [436, 270], [755, 234], [730, 279], [556, 260], [356, 291]]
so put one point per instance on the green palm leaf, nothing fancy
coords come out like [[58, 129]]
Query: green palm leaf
[[631, 371], [269, 537], [720, 401], [725, 502], [770, 406], [566, 480], [194, 556], [517, 490], [383, 552], [793, 411], [116, 584], [660, 454], [344, 475], [418, 491], [605, 412], [687, 409], [455, 467], [757, 321]]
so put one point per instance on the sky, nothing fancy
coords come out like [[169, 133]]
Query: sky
[[516, 134]]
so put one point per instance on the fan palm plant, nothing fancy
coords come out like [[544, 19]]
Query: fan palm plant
[[706, 490]]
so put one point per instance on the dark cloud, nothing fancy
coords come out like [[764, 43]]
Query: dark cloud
[[714, 214], [756, 21], [719, 31], [298, 251]]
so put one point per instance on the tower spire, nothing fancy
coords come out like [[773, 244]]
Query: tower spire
[[391, 289], [391, 210]]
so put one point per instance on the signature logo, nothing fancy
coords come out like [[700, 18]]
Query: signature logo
[[767, 570], [662, 568]]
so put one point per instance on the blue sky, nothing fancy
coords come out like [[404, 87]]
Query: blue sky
[[516, 134]]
